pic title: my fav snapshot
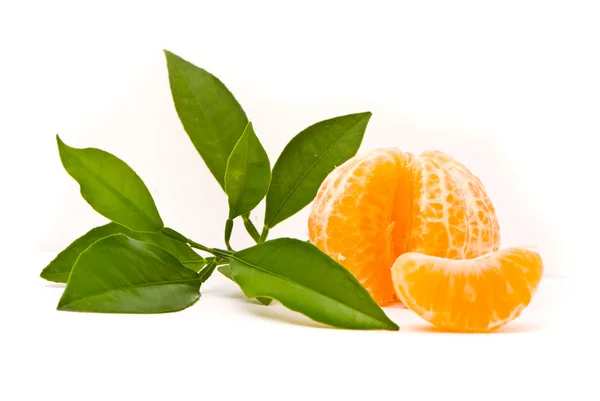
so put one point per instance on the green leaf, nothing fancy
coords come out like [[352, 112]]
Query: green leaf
[[250, 227], [226, 271], [58, 270], [118, 274], [264, 301], [306, 280], [210, 114], [307, 160], [207, 271], [248, 174], [111, 187]]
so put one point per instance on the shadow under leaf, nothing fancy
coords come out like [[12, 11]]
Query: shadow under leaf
[[54, 285], [279, 313]]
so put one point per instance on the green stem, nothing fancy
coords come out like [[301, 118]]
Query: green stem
[[250, 227], [208, 270], [228, 230], [169, 232], [221, 253], [196, 245], [264, 234]]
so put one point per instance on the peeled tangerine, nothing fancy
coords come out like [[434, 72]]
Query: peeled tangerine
[[430, 218]]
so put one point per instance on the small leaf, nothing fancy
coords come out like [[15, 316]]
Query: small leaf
[[111, 187], [226, 271], [264, 301], [307, 160], [250, 227], [58, 270], [210, 114], [228, 231], [118, 274], [306, 280], [248, 174], [207, 271]]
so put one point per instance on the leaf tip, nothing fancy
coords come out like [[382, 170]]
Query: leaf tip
[[366, 115], [393, 326], [168, 54], [173, 59], [62, 148], [61, 144], [62, 306], [59, 141], [265, 301]]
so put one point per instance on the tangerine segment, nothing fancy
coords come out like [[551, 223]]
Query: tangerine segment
[[483, 234], [475, 295], [381, 204], [355, 222]]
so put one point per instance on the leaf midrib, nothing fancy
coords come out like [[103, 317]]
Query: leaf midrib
[[245, 174], [293, 190], [113, 190], [208, 122], [133, 286], [306, 288]]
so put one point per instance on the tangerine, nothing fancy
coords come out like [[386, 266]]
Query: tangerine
[[384, 203]]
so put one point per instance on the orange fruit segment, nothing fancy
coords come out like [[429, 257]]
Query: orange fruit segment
[[384, 203], [474, 295]]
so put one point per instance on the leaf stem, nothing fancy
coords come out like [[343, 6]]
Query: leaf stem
[[228, 230], [221, 253], [196, 245], [169, 232], [264, 234], [250, 227]]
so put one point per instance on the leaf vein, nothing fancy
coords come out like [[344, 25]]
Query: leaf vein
[[113, 190], [305, 288], [293, 190]]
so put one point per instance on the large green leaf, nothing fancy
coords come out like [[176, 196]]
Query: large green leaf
[[306, 280], [58, 270], [118, 274], [111, 187], [248, 174], [210, 114], [307, 160]]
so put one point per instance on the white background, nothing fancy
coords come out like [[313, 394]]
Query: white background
[[511, 89]]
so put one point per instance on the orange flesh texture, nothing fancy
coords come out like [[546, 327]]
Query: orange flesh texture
[[469, 213], [355, 222], [476, 295], [384, 203]]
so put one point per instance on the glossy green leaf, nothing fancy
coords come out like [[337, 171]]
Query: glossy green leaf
[[111, 187], [226, 271], [248, 174], [307, 160], [59, 268], [210, 114], [118, 274], [306, 280]]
